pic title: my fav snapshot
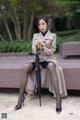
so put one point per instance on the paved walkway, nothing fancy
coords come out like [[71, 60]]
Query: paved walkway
[[32, 111]]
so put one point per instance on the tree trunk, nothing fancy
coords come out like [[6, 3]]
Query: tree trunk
[[53, 24], [68, 23], [15, 25], [8, 30], [25, 21], [25, 29], [18, 25], [50, 23], [30, 26], [1, 37]]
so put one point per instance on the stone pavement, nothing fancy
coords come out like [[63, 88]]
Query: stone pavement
[[32, 111]]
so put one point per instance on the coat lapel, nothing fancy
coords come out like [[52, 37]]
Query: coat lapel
[[47, 36]]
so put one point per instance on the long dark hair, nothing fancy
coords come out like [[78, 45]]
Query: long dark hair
[[44, 18]]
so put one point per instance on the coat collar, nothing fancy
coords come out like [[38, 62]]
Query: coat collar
[[46, 36]]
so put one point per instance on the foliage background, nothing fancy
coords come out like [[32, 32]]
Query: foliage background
[[17, 18]]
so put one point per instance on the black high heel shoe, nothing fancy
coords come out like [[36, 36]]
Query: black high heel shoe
[[58, 110], [59, 106], [19, 104]]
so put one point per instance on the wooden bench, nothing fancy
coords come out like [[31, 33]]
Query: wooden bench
[[71, 65], [10, 69], [11, 64], [71, 69], [68, 49]]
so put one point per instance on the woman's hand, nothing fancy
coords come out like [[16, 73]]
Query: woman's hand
[[40, 46]]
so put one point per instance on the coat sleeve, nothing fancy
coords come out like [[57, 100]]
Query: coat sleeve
[[34, 40], [50, 50]]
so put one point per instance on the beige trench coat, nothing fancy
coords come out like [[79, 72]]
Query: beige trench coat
[[48, 55]]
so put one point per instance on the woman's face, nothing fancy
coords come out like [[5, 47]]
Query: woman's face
[[42, 26]]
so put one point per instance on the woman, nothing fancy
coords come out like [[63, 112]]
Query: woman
[[45, 41]]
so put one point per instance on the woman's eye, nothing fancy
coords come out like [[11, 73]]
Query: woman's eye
[[43, 23]]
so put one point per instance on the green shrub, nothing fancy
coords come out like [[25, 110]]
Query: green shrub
[[15, 46], [68, 32], [26, 46]]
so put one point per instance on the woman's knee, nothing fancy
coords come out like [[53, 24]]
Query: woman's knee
[[51, 65], [26, 67]]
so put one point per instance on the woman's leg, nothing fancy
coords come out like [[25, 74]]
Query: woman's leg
[[25, 71], [53, 75]]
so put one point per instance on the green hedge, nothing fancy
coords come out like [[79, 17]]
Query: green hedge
[[15, 46], [20, 46], [68, 32]]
